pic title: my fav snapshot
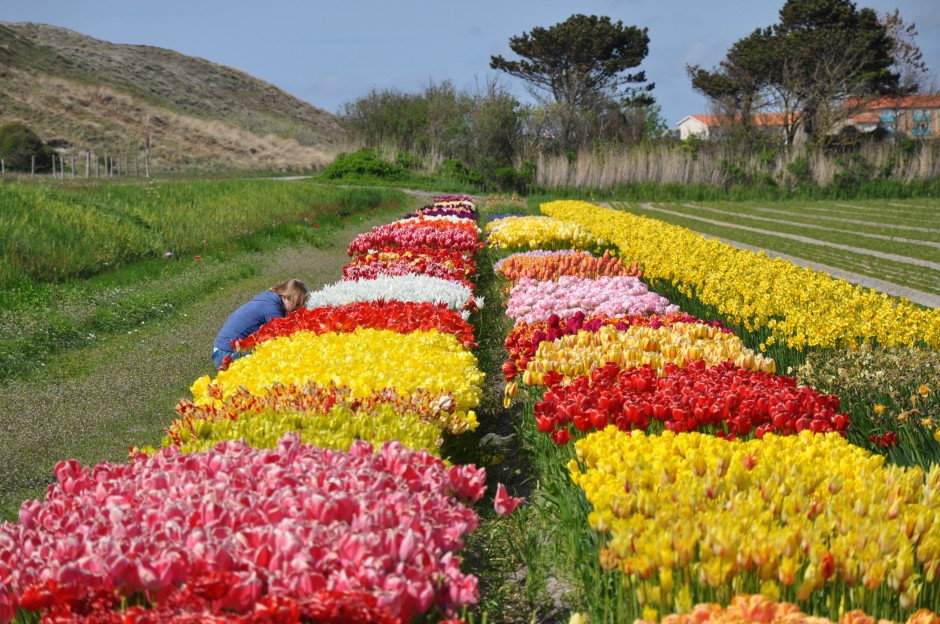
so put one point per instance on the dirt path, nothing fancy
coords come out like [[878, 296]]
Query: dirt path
[[95, 403]]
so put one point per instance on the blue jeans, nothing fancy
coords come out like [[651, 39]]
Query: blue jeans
[[219, 354]]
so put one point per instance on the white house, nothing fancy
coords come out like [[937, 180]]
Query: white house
[[693, 125], [700, 125]]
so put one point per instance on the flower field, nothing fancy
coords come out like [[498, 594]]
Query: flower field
[[698, 483], [795, 306], [679, 471], [300, 483]]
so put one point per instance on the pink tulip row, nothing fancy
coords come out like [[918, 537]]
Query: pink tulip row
[[286, 522], [532, 300], [413, 235]]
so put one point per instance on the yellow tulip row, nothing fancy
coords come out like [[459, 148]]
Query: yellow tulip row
[[760, 609], [337, 428], [679, 344], [366, 360], [535, 232], [800, 307], [688, 512]]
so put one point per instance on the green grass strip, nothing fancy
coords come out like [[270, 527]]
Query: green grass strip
[[919, 278]]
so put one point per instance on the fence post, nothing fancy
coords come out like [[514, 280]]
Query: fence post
[[87, 163], [54, 177], [62, 166], [3, 167], [32, 166], [147, 152], [126, 169], [97, 166], [72, 163]]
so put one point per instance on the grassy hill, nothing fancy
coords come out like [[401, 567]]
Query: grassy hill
[[86, 95]]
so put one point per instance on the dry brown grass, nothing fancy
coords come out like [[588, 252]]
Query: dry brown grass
[[87, 95], [103, 121]]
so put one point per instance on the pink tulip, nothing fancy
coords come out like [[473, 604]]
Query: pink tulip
[[503, 503], [291, 521]]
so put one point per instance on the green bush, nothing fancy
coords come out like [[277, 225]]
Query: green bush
[[457, 170], [363, 163], [18, 145], [407, 160]]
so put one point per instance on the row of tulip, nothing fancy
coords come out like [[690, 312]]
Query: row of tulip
[[454, 294], [419, 232], [725, 399], [678, 344], [544, 266], [321, 526], [538, 232], [822, 516], [229, 527], [799, 307], [327, 416], [364, 360], [443, 263], [532, 300], [400, 316], [686, 517], [760, 609], [524, 338]]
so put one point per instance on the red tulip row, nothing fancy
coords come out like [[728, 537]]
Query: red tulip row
[[400, 316], [725, 399]]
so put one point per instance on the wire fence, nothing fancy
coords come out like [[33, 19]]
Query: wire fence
[[85, 165]]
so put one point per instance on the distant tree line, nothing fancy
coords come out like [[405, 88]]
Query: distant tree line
[[820, 56], [584, 99], [590, 97]]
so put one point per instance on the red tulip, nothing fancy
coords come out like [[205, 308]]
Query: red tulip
[[561, 437]]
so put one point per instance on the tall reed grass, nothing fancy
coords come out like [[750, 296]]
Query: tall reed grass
[[710, 171]]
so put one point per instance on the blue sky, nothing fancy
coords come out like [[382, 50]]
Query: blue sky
[[328, 53]]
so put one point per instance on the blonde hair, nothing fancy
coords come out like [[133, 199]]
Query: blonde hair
[[294, 291]]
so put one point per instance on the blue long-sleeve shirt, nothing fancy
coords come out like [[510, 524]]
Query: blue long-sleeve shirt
[[248, 318]]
